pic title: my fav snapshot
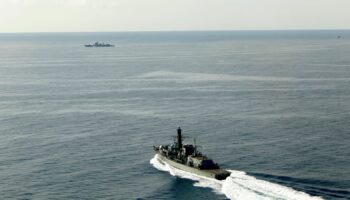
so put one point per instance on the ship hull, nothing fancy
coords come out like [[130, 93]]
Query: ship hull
[[218, 174]]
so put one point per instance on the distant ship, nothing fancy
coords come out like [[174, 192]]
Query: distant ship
[[97, 44], [187, 158]]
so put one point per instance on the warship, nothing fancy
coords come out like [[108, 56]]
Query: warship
[[187, 158], [97, 44]]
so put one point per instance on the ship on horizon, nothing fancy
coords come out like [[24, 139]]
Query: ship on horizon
[[97, 44], [187, 158]]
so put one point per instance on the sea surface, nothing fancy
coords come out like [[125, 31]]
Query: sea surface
[[80, 123]]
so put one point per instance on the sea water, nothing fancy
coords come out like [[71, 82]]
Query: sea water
[[79, 123]]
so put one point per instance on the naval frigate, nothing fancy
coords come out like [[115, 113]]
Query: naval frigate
[[187, 158], [97, 44]]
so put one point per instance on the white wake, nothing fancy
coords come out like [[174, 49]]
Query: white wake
[[238, 186]]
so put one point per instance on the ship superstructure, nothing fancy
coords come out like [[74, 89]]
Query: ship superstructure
[[186, 157]]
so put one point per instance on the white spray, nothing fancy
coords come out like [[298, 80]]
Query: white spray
[[238, 186]]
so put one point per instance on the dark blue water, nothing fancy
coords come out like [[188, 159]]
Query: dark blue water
[[79, 123]]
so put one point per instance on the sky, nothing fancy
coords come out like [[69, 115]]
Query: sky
[[171, 15]]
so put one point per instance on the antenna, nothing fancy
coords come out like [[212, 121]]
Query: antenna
[[195, 147]]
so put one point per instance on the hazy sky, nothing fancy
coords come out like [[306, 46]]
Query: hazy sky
[[157, 15]]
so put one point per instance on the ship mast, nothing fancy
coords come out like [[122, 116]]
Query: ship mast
[[179, 138], [194, 147]]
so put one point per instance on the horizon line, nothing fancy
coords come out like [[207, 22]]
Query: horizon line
[[154, 31]]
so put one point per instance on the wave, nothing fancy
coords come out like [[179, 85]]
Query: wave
[[204, 77], [185, 76], [238, 186]]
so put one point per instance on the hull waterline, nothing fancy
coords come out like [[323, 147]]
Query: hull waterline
[[218, 174]]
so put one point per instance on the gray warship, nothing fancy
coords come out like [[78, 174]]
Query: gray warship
[[97, 44], [187, 158]]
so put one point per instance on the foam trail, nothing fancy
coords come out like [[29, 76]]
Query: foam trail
[[242, 186], [239, 186]]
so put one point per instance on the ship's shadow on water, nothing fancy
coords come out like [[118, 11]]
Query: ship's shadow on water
[[180, 188], [183, 189]]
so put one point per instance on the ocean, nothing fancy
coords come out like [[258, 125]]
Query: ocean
[[79, 123]]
